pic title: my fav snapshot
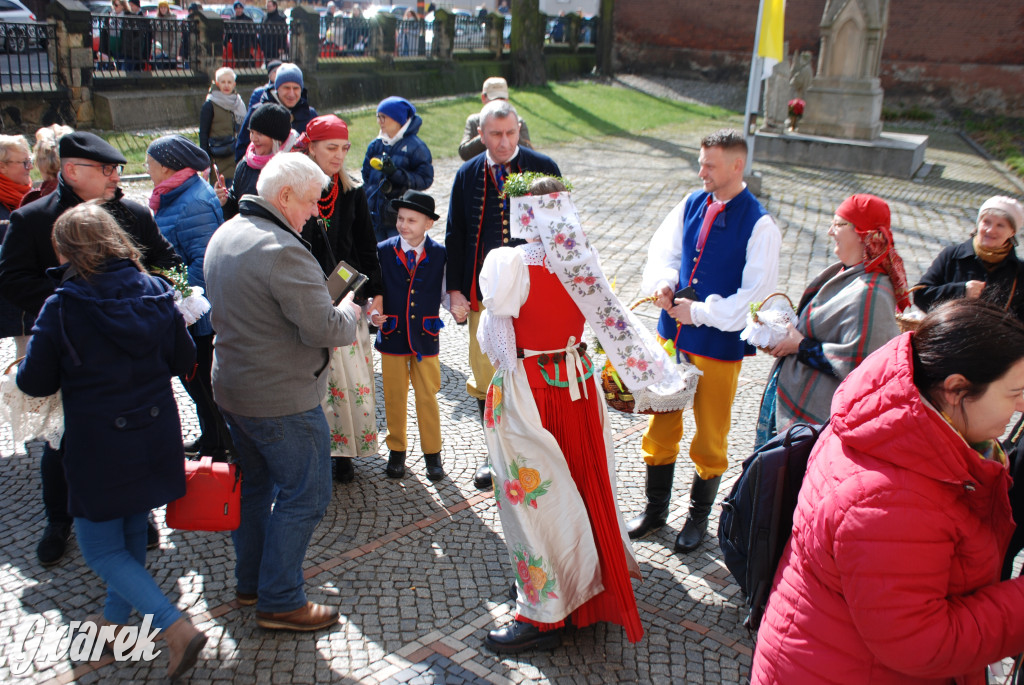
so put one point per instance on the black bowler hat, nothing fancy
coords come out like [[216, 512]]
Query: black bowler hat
[[415, 200], [82, 145]]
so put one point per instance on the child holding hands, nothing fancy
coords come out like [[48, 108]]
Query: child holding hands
[[407, 314]]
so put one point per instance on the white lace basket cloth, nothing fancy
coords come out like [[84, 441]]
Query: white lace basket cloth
[[769, 325], [651, 400], [31, 418]]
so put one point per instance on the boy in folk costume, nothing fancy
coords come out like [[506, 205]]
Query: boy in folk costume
[[547, 429], [407, 315]]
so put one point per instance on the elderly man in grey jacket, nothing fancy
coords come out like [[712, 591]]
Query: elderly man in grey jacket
[[275, 325]]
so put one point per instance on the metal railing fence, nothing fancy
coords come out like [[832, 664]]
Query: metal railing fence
[[27, 65]]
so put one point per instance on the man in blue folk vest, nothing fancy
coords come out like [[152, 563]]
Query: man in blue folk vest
[[722, 247]]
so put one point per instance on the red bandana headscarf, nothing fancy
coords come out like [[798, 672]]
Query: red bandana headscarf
[[326, 127], [870, 218]]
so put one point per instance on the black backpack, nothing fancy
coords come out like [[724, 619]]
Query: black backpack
[[757, 516]]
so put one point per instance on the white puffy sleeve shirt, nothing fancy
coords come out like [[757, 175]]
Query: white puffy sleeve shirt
[[760, 274]]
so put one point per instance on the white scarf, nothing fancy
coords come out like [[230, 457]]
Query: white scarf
[[232, 103], [398, 136]]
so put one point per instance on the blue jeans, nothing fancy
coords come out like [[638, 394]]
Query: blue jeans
[[286, 486], [116, 551]]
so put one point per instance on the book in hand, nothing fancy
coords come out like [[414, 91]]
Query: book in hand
[[344, 279]]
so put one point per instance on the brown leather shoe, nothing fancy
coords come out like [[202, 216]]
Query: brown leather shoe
[[184, 643], [306, 618], [246, 599], [100, 621]]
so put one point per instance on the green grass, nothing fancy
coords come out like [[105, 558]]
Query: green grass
[[555, 113], [1002, 137]]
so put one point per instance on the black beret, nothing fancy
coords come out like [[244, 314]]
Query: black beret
[[89, 146]]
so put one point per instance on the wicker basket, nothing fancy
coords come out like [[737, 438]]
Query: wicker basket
[[907, 323], [763, 302], [619, 397]]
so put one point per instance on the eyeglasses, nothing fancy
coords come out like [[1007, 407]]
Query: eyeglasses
[[25, 163], [105, 169]]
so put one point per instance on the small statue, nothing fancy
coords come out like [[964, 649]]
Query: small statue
[[802, 74], [776, 95]]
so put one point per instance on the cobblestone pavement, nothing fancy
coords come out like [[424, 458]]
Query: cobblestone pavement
[[418, 569]]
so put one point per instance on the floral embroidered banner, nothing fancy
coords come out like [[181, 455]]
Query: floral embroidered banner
[[631, 348]]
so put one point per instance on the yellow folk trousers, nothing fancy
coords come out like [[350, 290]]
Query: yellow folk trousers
[[396, 373], [712, 413], [480, 365]]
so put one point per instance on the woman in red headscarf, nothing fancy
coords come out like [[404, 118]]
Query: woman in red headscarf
[[846, 313], [342, 231]]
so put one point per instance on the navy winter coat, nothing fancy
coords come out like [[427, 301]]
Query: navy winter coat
[[111, 344], [187, 217], [414, 170]]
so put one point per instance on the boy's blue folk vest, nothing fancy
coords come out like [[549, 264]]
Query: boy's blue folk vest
[[412, 299], [719, 272]]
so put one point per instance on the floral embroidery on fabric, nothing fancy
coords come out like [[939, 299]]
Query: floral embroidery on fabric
[[337, 395], [523, 486], [363, 393], [572, 259], [492, 407], [534, 576], [339, 438]]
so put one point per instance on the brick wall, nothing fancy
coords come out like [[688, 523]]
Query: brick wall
[[948, 52]]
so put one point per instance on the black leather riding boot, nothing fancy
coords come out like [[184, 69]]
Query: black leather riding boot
[[482, 477], [659, 493], [702, 498]]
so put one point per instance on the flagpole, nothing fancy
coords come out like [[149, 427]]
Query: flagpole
[[753, 93]]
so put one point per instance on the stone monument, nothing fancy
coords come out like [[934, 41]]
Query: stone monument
[[841, 126], [776, 97], [844, 99]]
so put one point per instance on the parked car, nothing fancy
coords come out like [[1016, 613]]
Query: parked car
[[397, 10], [14, 38], [227, 11]]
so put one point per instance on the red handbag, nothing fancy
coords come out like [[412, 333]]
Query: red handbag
[[213, 497]]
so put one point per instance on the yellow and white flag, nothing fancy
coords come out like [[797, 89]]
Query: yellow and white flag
[[772, 30]]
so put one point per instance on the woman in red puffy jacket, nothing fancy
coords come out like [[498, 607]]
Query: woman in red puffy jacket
[[892, 572]]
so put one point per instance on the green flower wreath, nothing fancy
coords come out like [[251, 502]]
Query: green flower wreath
[[517, 185]]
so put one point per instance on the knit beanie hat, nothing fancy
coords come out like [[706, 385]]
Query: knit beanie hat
[[1006, 205], [399, 109], [273, 120], [288, 73], [177, 152]]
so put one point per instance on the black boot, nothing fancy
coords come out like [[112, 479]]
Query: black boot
[[152, 534], [702, 497], [434, 470], [54, 543], [482, 477], [659, 492], [518, 636], [344, 469], [396, 464]]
